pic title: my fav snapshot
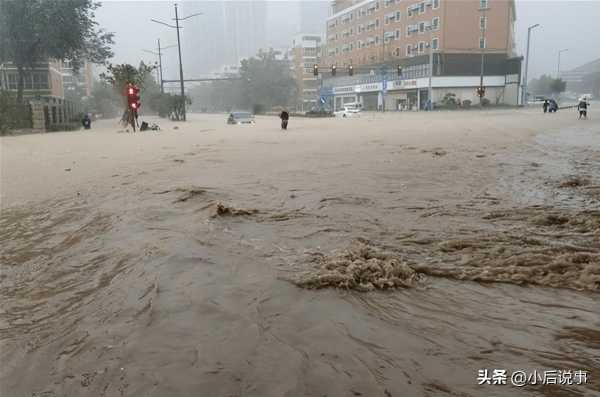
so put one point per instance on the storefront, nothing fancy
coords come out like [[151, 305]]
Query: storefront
[[413, 94]]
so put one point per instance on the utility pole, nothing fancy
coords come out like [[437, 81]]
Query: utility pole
[[483, 22], [558, 67], [160, 68], [383, 72], [524, 85], [180, 63], [430, 88], [177, 27]]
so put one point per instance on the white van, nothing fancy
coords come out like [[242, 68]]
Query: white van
[[352, 109]]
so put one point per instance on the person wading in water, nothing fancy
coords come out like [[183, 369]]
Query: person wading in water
[[284, 116]]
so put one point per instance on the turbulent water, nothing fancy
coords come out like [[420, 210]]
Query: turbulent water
[[269, 285]]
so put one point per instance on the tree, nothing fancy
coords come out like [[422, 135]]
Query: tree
[[33, 31], [104, 100], [546, 85], [557, 86], [118, 76], [267, 81]]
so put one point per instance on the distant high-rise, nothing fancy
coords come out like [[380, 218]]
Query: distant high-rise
[[227, 32]]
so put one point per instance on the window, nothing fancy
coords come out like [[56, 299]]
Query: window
[[421, 27], [421, 8], [376, 39], [12, 81], [435, 23], [409, 11], [408, 50], [397, 34], [435, 43], [482, 43], [436, 4], [377, 23], [421, 46], [483, 23], [483, 4], [398, 15]]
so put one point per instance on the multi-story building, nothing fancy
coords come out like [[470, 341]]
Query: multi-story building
[[44, 79], [379, 35], [77, 83], [306, 53]]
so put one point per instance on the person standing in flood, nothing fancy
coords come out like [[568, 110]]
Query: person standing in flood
[[284, 116], [582, 108], [545, 106]]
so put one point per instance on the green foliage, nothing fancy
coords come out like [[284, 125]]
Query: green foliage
[[33, 31], [118, 76], [105, 100], [547, 85], [466, 104], [121, 75], [449, 101], [12, 114], [265, 82], [171, 106], [485, 102]]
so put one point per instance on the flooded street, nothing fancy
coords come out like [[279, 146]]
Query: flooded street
[[223, 260]]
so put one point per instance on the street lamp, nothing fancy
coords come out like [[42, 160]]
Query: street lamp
[[524, 86], [177, 19], [558, 67], [160, 68]]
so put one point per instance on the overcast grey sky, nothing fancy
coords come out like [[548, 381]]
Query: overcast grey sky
[[565, 24]]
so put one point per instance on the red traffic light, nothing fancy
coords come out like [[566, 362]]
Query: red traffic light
[[133, 97]]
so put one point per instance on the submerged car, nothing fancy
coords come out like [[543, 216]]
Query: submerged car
[[240, 117]]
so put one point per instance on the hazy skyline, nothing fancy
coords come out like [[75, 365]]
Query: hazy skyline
[[571, 25]]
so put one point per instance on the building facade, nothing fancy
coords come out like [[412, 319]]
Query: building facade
[[44, 79], [306, 53], [444, 39], [77, 84]]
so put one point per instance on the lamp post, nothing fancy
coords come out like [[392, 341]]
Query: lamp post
[[558, 67], [177, 19], [524, 85]]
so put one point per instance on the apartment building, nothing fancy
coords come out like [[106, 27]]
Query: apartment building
[[77, 83], [44, 79], [306, 53], [373, 35]]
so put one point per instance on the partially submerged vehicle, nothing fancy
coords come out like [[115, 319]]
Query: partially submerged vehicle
[[240, 117]]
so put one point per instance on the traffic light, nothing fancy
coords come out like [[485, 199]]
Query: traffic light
[[316, 70], [333, 70], [350, 70], [399, 71], [133, 97]]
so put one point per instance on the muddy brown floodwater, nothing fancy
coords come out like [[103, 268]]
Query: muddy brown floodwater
[[391, 255]]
